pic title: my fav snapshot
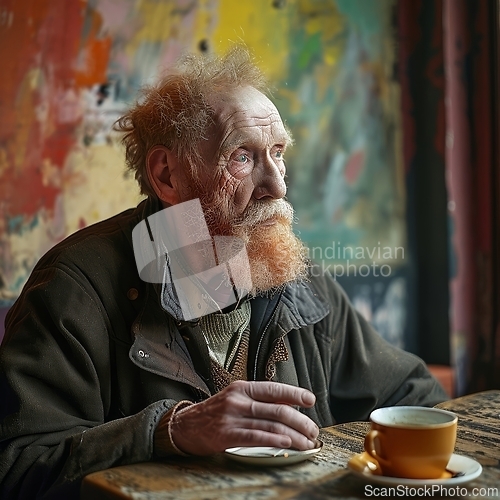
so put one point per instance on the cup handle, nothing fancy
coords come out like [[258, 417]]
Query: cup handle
[[370, 448]]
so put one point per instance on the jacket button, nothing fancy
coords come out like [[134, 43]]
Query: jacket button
[[132, 294]]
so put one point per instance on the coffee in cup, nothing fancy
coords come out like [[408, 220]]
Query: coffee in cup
[[412, 441]]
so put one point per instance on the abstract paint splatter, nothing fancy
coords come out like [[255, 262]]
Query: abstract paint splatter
[[71, 67]]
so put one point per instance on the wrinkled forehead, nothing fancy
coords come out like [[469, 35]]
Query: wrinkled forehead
[[245, 114]]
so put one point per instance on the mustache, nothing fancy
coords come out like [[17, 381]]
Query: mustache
[[261, 211]]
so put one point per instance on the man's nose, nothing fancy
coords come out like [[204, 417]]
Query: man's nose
[[269, 179]]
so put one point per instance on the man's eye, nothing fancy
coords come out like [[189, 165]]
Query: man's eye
[[241, 158], [279, 154]]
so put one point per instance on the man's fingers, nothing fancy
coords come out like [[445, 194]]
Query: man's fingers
[[287, 416], [246, 414], [258, 437], [274, 392], [298, 440]]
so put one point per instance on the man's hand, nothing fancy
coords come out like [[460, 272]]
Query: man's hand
[[246, 414]]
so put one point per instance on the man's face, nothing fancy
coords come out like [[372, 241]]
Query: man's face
[[241, 185], [244, 151]]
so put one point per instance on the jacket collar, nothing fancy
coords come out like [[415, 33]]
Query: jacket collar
[[160, 347], [296, 307]]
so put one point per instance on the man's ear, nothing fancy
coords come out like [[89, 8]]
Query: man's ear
[[162, 168]]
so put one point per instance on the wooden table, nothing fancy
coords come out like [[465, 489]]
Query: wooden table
[[323, 476]]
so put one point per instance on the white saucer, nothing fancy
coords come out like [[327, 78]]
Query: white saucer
[[268, 456], [458, 463]]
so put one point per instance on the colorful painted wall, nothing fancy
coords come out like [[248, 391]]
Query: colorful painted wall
[[70, 67]]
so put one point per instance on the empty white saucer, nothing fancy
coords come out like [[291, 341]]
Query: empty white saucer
[[268, 456]]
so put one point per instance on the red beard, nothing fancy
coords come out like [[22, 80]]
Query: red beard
[[275, 254], [276, 257]]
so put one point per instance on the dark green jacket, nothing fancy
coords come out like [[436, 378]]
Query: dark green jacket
[[90, 361]]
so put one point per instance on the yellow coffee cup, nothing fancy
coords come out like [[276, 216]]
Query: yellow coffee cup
[[412, 441]]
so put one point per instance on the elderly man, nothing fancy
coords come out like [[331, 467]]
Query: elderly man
[[100, 367]]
